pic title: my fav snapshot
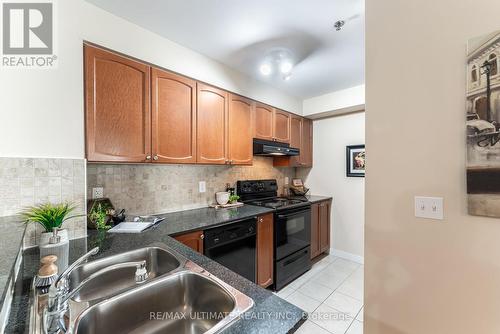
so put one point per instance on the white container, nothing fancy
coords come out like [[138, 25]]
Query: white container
[[222, 197], [59, 249]]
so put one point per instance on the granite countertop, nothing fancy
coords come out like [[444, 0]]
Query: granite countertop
[[199, 219], [314, 198], [11, 240], [270, 314]]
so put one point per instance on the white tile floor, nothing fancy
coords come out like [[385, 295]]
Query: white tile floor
[[332, 293]]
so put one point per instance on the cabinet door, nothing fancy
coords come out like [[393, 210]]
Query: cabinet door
[[193, 240], [324, 226], [240, 129], [281, 131], [117, 107], [315, 247], [173, 118], [211, 125], [296, 139], [263, 122], [306, 148], [265, 250]]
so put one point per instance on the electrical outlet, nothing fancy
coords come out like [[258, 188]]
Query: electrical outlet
[[202, 186], [429, 207], [287, 180], [97, 192]]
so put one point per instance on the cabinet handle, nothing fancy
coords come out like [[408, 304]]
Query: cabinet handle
[[155, 158], [261, 220], [148, 157], [202, 236]]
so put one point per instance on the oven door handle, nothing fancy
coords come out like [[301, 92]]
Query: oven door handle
[[292, 214]]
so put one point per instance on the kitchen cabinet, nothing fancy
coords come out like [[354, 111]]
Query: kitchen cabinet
[[193, 240], [263, 121], [117, 108], [320, 228], [240, 132], [271, 124], [306, 146], [265, 250], [212, 114], [281, 126], [295, 138], [173, 123], [301, 137]]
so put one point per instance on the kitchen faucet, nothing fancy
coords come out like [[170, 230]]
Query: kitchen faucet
[[59, 292]]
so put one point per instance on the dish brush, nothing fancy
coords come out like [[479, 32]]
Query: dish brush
[[47, 274]]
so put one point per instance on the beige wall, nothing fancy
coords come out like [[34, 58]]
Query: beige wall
[[423, 276], [328, 178]]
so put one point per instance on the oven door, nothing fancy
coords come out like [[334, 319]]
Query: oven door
[[292, 231]]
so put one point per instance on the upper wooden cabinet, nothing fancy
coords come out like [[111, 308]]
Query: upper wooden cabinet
[[263, 122], [212, 114], [240, 136], [117, 108], [301, 137], [135, 113], [281, 126], [271, 124], [296, 137], [173, 124], [306, 146]]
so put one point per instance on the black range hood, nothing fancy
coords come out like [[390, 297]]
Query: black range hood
[[273, 148]]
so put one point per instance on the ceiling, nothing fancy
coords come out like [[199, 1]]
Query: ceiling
[[240, 33]]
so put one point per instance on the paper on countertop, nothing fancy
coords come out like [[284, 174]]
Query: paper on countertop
[[131, 227]]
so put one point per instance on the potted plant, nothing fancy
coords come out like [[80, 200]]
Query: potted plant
[[50, 217]]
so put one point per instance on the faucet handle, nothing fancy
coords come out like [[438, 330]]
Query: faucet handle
[[141, 272]]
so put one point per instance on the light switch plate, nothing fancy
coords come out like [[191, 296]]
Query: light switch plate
[[202, 186], [429, 207], [97, 192]]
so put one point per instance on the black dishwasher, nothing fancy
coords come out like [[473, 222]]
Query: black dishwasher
[[233, 245]]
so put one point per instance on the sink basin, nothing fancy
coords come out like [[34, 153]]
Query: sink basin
[[158, 262], [183, 302]]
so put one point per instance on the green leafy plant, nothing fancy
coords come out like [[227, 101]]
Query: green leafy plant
[[49, 215], [234, 198], [98, 215]]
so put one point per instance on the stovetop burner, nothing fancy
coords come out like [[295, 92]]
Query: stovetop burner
[[265, 193], [278, 202]]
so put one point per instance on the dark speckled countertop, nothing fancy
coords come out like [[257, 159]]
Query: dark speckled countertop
[[270, 314], [11, 240], [200, 219], [314, 198]]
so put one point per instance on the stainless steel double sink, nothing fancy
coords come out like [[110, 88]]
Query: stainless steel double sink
[[178, 297]]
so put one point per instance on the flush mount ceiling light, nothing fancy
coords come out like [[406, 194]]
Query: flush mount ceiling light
[[278, 61], [266, 69]]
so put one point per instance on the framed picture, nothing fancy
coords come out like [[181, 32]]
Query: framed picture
[[355, 161], [482, 118]]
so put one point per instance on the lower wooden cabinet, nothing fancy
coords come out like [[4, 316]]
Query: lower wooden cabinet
[[320, 228], [193, 240], [265, 250]]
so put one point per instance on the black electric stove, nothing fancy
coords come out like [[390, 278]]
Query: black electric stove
[[292, 228]]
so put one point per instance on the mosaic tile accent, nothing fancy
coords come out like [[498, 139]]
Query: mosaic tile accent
[[30, 181], [147, 189]]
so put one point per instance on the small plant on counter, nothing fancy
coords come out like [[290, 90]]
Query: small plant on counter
[[99, 215], [49, 215], [233, 199]]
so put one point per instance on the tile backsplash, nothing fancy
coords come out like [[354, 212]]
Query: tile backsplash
[[147, 189], [30, 181]]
